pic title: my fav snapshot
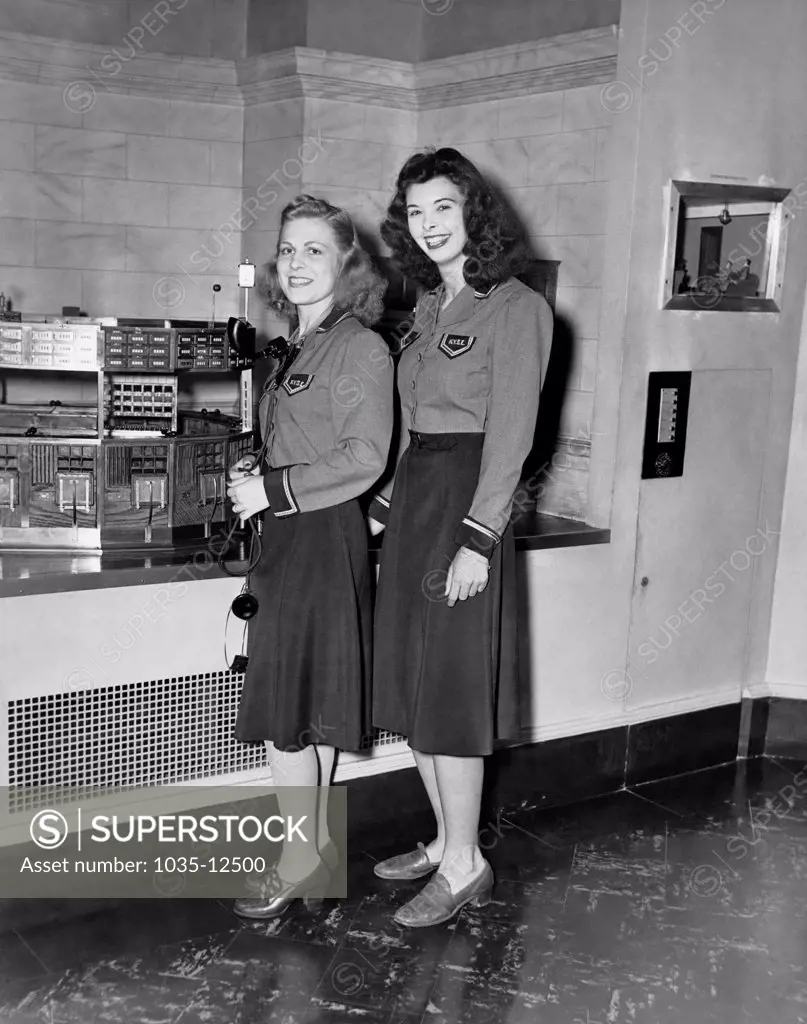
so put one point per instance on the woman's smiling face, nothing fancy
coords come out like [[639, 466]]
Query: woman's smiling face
[[434, 212], [307, 261]]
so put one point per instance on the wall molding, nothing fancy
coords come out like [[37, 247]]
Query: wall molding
[[562, 62], [58, 63]]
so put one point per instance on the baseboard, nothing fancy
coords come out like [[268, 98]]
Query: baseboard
[[793, 691], [786, 728], [630, 716], [555, 770]]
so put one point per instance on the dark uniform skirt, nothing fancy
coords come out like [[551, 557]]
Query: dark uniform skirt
[[310, 644], [446, 678]]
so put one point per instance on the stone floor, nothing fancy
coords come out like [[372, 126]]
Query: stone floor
[[677, 901]]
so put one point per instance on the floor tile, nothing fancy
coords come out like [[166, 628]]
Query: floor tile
[[677, 902]]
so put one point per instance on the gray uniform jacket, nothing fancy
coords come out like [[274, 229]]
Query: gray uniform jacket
[[327, 427], [477, 366]]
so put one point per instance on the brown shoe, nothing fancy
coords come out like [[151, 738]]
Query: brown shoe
[[406, 865], [436, 903]]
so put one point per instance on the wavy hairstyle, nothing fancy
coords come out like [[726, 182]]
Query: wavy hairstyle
[[359, 288], [496, 248]]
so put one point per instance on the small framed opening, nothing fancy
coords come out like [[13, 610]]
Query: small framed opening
[[725, 247]]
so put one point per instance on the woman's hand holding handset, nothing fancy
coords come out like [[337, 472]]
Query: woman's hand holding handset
[[467, 576], [246, 490]]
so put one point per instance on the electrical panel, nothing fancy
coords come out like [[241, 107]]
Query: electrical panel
[[666, 424]]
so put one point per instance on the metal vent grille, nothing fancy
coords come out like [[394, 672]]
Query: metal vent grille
[[66, 747], [380, 738], [43, 463], [118, 465]]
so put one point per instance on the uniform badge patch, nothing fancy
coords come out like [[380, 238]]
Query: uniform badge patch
[[295, 383], [453, 345]]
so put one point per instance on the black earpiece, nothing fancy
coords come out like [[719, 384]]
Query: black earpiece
[[245, 606], [241, 336]]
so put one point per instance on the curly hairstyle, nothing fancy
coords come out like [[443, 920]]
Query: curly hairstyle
[[359, 288], [496, 248]]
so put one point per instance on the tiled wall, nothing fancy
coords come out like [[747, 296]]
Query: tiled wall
[[549, 154], [136, 205], [364, 149], [103, 204], [348, 153]]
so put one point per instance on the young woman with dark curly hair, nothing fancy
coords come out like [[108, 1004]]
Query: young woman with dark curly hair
[[326, 423], [469, 378]]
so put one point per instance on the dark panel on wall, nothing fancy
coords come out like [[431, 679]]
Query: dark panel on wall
[[276, 25], [390, 29], [469, 25], [199, 28]]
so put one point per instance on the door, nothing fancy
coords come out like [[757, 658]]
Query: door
[[710, 251], [698, 547]]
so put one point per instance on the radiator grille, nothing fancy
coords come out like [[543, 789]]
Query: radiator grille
[[43, 464], [66, 747], [118, 465]]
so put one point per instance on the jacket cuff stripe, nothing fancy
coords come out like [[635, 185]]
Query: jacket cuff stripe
[[293, 506], [482, 529], [473, 535], [379, 509], [278, 490]]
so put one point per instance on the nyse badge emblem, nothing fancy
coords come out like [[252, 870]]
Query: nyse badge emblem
[[453, 345], [296, 383]]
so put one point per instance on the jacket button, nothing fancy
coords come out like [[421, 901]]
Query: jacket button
[[420, 357], [413, 385]]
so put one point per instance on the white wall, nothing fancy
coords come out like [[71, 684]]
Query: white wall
[[786, 673], [105, 196], [581, 601]]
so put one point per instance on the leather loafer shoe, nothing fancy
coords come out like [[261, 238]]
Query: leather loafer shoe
[[436, 903], [406, 865], [277, 895]]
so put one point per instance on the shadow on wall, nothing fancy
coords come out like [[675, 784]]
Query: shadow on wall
[[553, 395], [556, 382]]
